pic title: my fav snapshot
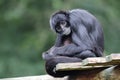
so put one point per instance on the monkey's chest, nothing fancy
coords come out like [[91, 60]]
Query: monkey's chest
[[67, 41]]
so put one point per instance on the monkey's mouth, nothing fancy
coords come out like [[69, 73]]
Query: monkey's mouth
[[66, 31]]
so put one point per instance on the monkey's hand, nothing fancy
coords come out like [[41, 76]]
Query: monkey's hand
[[48, 54]]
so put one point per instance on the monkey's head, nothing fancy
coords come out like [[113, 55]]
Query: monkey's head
[[59, 23]]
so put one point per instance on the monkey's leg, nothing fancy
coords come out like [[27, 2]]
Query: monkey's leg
[[51, 64]]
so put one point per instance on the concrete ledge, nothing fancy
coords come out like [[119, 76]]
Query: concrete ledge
[[42, 77]]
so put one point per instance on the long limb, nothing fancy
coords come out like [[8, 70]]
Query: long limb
[[53, 52], [77, 46], [48, 54], [52, 60], [69, 50], [94, 41], [58, 42], [85, 54], [51, 63]]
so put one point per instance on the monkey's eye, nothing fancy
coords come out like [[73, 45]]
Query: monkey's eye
[[58, 28], [63, 23]]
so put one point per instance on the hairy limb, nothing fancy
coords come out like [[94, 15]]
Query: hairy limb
[[49, 54], [51, 63], [52, 60], [68, 50], [58, 42], [85, 54]]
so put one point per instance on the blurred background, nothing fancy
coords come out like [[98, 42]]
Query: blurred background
[[25, 31]]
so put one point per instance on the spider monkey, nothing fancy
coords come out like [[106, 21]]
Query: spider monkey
[[79, 35]]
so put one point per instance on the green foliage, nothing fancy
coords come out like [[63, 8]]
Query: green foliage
[[25, 32]]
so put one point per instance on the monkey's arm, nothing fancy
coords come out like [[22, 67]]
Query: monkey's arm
[[75, 48], [52, 62], [49, 54], [67, 50], [58, 42]]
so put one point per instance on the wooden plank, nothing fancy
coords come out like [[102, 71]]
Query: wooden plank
[[90, 63], [94, 61], [113, 58], [112, 73], [75, 66], [68, 66]]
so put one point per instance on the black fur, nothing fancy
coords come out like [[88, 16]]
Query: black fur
[[86, 40]]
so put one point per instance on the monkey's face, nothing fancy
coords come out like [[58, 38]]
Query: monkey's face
[[60, 24], [62, 27]]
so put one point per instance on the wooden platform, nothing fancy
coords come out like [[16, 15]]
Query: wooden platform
[[90, 63], [97, 68]]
